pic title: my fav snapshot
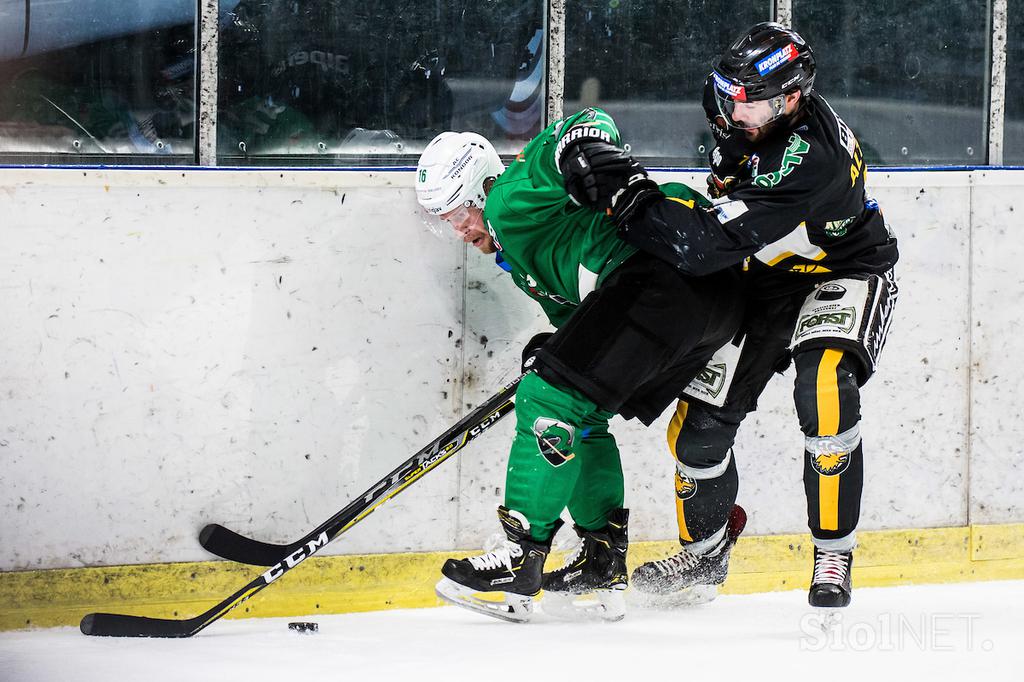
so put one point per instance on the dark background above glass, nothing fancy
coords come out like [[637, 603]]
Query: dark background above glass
[[909, 76], [348, 82], [340, 83], [98, 80], [645, 61]]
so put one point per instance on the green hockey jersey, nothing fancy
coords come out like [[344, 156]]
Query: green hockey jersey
[[556, 251]]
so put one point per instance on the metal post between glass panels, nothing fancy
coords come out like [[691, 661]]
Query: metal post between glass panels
[[556, 60], [206, 87], [997, 84], [784, 12]]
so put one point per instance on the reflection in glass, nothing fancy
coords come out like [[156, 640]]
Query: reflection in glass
[[1013, 132], [645, 61], [341, 82], [93, 77], [909, 77]]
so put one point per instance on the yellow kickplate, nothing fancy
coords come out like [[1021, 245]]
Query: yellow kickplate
[[342, 584], [990, 542]]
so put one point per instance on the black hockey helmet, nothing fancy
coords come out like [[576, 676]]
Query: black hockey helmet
[[763, 64]]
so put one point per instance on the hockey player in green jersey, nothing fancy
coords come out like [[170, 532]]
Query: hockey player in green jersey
[[631, 334]]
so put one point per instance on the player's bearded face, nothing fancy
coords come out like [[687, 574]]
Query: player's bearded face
[[468, 223], [758, 119]]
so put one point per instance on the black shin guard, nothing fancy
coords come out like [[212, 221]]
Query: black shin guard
[[701, 439], [703, 504]]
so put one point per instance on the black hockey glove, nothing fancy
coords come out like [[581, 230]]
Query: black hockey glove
[[603, 177], [531, 348], [720, 180]]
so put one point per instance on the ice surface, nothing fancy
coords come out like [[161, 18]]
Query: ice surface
[[934, 632]]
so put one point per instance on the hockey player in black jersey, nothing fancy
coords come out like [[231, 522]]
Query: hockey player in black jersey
[[787, 178]]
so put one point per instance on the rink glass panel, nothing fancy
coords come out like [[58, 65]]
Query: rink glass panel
[[343, 83], [645, 61], [1013, 135], [97, 81], [909, 76]]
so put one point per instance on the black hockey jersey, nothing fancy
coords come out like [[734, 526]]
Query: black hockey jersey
[[798, 213]]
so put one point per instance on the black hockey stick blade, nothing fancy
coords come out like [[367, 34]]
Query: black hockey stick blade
[[228, 544], [233, 546], [122, 625], [117, 625]]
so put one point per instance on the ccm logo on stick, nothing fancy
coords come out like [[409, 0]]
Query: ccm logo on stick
[[295, 558]]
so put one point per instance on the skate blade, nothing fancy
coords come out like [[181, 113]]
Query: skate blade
[[828, 617], [515, 608], [600, 605], [686, 598]]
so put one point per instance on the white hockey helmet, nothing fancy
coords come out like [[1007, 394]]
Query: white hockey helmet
[[452, 172]]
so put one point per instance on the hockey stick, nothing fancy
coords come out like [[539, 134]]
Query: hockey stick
[[443, 447], [227, 544]]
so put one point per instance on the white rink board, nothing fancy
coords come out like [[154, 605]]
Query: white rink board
[[997, 315], [158, 371]]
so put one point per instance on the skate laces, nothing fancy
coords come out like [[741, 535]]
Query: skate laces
[[830, 567], [677, 563], [500, 553], [578, 546]]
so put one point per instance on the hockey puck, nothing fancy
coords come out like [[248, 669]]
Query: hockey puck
[[303, 627]]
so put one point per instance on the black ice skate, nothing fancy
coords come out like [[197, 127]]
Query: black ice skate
[[514, 568], [591, 583], [690, 577], [830, 586]]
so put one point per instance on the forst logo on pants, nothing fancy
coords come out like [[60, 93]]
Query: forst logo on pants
[[843, 320], [712, 377]]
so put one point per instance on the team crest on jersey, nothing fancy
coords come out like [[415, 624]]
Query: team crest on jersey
[[830, 463], [686, 487], [791, 158], [526, 281], [838, 228], [554, 440]]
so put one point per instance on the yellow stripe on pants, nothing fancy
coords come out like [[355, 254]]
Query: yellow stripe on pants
[[828, 425], [674, 427]]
